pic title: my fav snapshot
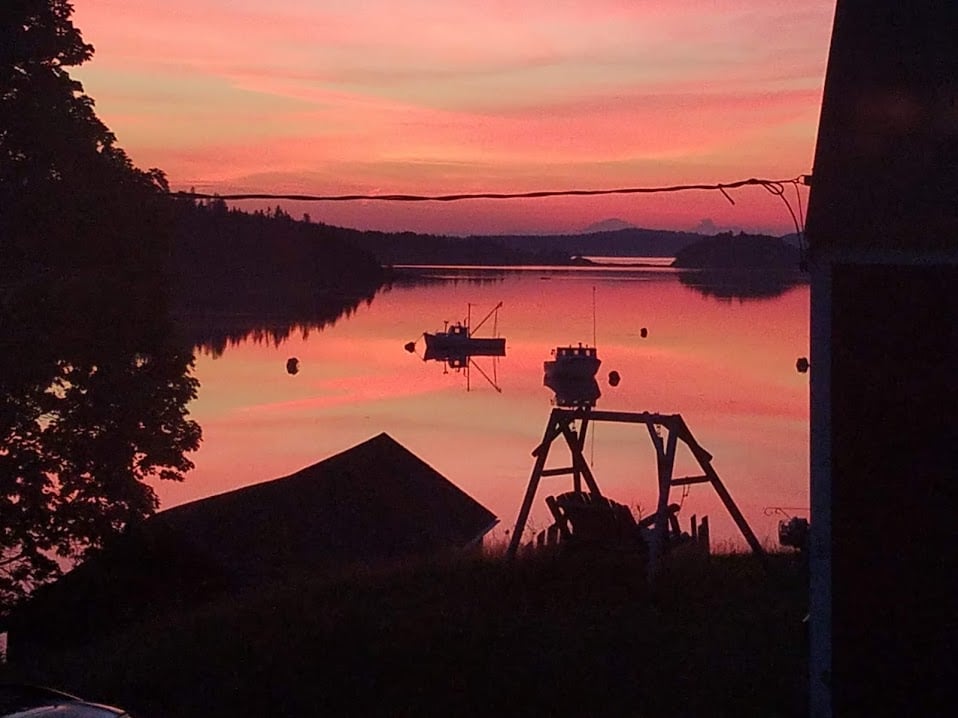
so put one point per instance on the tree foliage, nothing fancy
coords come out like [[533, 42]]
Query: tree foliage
[[93, 389], [95, 396], [61, 172]]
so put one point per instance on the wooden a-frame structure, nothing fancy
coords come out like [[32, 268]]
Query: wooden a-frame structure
[[665, 430]]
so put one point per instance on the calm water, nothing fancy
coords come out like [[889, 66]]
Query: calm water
[[726, 365]]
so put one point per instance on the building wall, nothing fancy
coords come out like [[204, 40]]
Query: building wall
[[883, 236]]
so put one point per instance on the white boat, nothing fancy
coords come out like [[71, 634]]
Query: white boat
[[572, 362]]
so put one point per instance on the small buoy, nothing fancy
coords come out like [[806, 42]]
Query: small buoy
[[410, 347], [292, 365], [802, 365], [614, 378], [643, 332]]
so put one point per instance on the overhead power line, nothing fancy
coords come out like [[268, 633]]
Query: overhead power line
[[775, 187]]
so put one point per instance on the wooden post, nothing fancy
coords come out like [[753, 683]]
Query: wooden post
[[541, 453], [664, 462], [665, 451], [561, 521], [704, 459], [577, 475], [578, 459], [733, 510]]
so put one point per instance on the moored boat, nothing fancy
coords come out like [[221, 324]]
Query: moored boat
[[572, 362], [455, 339], [458, 340]]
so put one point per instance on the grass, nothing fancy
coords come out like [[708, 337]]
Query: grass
[[551, 635]]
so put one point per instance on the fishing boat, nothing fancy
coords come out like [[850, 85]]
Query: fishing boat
[[459, 339], [572, 362]]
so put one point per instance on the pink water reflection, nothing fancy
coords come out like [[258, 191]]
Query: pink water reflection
[[727, 366]]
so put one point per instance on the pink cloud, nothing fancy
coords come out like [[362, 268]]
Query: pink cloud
[[415, 96]]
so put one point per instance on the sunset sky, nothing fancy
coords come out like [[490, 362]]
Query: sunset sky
[[427, 97]]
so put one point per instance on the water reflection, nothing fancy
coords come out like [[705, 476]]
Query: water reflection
[[574, 392], [729, 367], [460, 358], [463, 363], [213, 332], [426, 276], [743, 284], [95, 393]]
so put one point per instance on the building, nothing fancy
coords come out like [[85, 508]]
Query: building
[[371, 505], [883, 243]]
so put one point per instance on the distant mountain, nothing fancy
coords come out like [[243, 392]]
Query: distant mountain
[[608, 225]]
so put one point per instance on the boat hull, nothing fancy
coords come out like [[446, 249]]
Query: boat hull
[[443, 344], [568, 368]]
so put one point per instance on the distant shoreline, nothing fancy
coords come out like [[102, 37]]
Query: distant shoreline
[[573, 263]]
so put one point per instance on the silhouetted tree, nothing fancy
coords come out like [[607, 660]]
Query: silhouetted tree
[[93, 392], [94, 405], [68, 194]]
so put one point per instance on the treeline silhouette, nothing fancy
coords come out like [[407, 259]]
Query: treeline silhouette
[[261, 276], [392, 248], [740, 266], [739, 251], [263, 262], [503, 250]]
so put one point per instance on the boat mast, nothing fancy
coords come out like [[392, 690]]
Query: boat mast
[[485, 376], [495, 309], [593, 316]]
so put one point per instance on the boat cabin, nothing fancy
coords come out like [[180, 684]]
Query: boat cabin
[[570, 352]]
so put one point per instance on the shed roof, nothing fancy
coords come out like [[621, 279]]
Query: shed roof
[[375, 501], [370, 504]]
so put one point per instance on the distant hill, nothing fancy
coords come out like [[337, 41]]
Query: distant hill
[[497, 250], [738, 251], [608, 225], [632, 242], [228, 253]]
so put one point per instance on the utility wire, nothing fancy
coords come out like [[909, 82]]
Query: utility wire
[[773, 186]]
